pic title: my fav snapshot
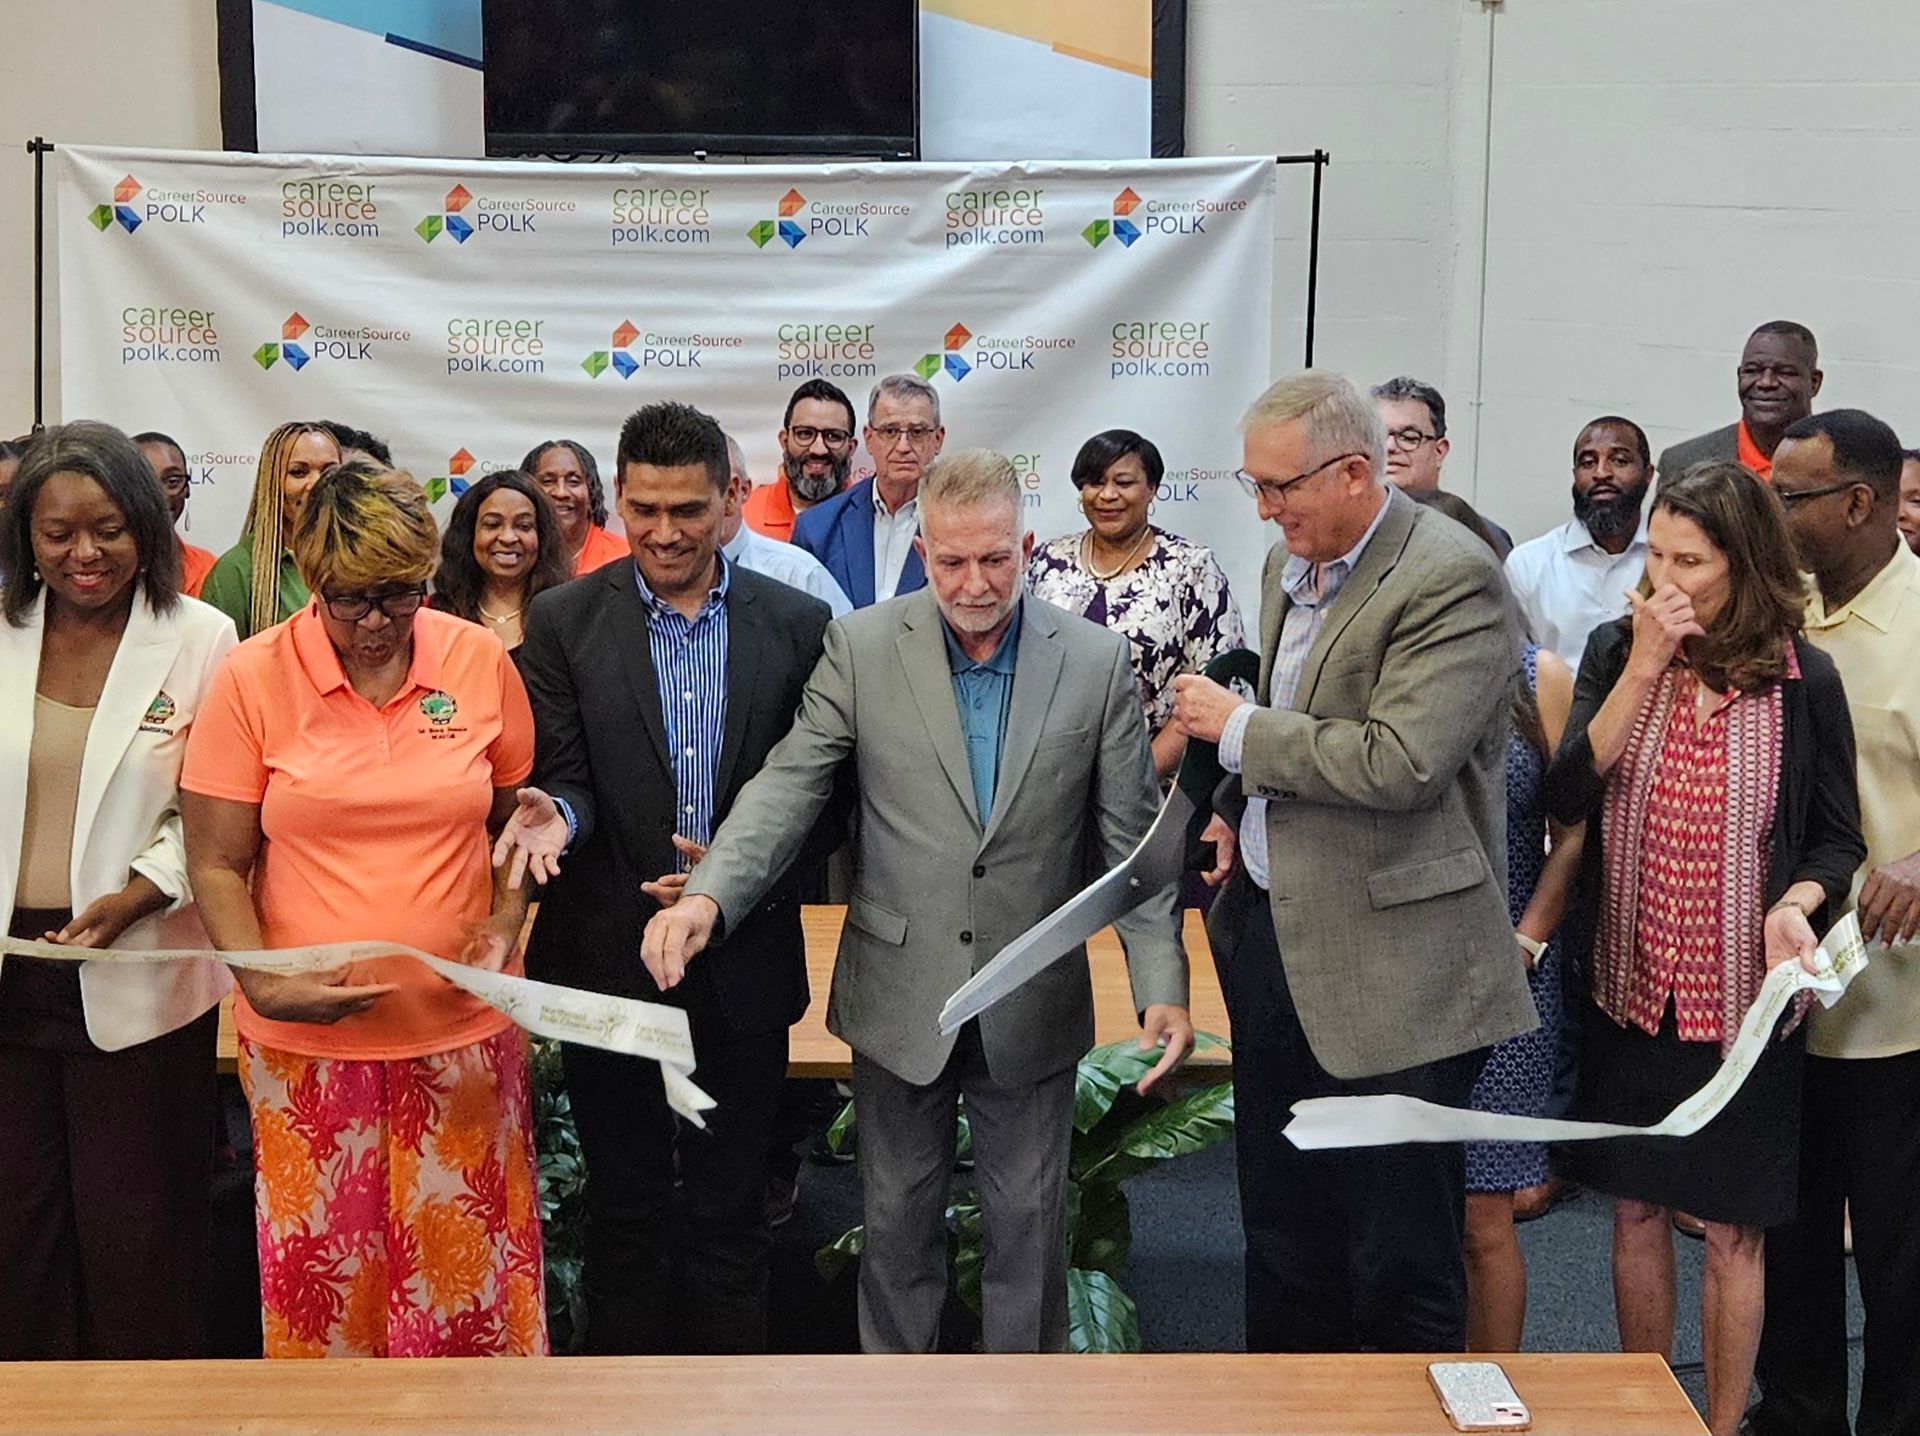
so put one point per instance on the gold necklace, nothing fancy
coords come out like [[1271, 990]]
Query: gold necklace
[[500, 617], [1086, 551]]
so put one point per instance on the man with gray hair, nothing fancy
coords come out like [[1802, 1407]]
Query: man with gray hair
[[1002, 761], [865, 533], [1361, 933]]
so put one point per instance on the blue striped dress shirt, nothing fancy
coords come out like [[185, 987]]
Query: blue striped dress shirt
[[690, 668]]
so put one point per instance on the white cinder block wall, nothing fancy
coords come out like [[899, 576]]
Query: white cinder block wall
[[1664, 174]]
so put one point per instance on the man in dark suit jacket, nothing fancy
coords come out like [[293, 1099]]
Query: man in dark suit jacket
[[864, 534], [1778, 376], [658, 687]]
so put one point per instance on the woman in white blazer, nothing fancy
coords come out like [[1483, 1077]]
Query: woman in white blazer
[[106, 1070]]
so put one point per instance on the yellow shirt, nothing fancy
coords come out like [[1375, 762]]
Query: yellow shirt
[[1874, 641]]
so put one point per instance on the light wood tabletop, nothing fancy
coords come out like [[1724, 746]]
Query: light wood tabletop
[[815, 1052], [1165, 1395]]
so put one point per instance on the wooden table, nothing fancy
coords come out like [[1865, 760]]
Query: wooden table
[[1169, 1395], [815, 1052]]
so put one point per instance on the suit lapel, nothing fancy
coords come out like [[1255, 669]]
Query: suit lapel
[[633, 637], [140, 667], [923, 654], [745, 668], [1382, 552], [913, 574], [1036, 672], [856, 532]]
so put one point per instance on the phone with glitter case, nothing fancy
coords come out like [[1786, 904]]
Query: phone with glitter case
[[1476, 1396]]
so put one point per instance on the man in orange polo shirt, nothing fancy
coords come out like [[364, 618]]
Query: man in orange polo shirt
[[817, 440], [169, 464], [569, 477], [1778, 376]]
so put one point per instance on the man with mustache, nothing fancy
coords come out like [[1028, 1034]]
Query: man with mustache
[[1570, 581], [1778, 376], [817, 442]]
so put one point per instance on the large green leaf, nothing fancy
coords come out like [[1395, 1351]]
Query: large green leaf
[[1102, 1233], [1191, 1123], [841, 1131], [832, 1258], [1105, 1070], [969, 1250], [1100, 1316]]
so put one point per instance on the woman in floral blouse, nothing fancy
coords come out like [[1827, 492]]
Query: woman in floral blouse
[[1168, 596]]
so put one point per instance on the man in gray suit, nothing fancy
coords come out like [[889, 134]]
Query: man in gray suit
[[1002, 761], [1778, 376], [1362, 935]]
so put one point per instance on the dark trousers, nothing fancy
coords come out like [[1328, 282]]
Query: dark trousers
[[106, 1173], [1859, 1144], [677, 1243], [1354, 1250]]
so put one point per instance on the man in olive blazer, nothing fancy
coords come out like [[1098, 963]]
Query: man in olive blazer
[[1363, 938], [1002, 761]]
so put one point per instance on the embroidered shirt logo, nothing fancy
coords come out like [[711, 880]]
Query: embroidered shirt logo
[[159, 713], [439, 708]]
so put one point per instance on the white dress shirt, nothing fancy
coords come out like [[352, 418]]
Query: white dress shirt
[[792, 566], [893, 535], [1567, 585]]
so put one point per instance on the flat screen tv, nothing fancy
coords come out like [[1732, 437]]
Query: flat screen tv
[[730, 77]]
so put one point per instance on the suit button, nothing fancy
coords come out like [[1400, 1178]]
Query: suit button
[[967, 937], [979, 870]]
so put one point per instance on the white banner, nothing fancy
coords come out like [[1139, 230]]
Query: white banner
[[465, 311]]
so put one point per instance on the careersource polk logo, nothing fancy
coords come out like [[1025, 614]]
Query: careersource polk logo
[[302, 342], [661, 214], [467, 214], [801, 219], [995, 216], [962, 352], [454, 481], [631, 349], [496, 344], [325, 208], [168, 334], [135, 204], [1161, 349], [1134, 218]]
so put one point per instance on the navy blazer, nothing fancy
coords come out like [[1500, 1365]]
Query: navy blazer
[[839, 532]]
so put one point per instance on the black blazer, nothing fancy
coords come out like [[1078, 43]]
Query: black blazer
[[1816, 816], [601, 745]]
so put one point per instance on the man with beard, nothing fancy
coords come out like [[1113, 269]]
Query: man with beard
[[1573, 579], [1778, 376], [816, 455]]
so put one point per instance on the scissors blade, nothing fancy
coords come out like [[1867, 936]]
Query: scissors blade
[[1156, 863]]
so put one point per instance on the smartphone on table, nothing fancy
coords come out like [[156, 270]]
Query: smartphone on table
[[1476, 1396]]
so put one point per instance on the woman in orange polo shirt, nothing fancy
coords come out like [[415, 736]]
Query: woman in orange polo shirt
[[341, 783]]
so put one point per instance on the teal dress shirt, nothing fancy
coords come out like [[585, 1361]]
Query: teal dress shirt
[[984, 692]]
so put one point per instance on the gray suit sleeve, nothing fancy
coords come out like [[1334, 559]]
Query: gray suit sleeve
[[1125, 802], [1447, 669], [776, 810]]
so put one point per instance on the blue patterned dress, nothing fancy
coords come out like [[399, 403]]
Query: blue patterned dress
[[1519, 1073]]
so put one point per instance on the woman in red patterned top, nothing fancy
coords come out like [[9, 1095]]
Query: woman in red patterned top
[[1710, 754]]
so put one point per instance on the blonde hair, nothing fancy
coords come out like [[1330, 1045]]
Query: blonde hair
[[363, 526], [266, 517], [1334, 416], [970, 476]]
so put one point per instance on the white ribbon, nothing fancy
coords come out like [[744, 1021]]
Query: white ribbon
[[1383, 1120], [592, 1019]]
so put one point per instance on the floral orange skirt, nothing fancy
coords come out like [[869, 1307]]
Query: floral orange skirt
[[396, 1203]]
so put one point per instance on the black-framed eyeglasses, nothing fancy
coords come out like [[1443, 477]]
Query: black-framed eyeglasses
[[805, 434], [1408, 439], [174, 483], [1275, 491], [352, 607], [1790, 497]]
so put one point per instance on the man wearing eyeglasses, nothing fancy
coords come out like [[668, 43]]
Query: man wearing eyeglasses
[[1778, 377], [865, 535], [816, 456], [1838, 476], [1362, 932], [1415, 415]]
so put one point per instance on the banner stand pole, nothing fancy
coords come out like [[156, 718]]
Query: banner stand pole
[[39, 148], [1319, 159]]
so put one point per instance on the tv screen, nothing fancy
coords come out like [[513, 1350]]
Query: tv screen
[[759, 77]]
